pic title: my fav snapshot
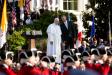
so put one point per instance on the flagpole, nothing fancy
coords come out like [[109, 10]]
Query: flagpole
[[13, 10], [109, 29]]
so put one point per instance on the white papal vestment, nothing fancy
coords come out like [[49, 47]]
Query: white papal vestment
[[54, 35]]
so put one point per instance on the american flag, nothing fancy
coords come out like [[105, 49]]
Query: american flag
[[14, 22], [27, 6]]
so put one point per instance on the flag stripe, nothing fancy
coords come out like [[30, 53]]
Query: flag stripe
[[80, 34], [92, 28], [27, 6], [13, 16], [3, 25], [21, 3], [4, 18]]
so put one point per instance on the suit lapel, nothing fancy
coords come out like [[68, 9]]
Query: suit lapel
[[65, 26], [68, 25]]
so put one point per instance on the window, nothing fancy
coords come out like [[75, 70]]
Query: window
[[70, 4]]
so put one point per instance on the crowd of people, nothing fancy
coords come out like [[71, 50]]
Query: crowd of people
[[97, 61], [61, 58]]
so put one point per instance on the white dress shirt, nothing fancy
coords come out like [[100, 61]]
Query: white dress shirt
[[66, 24]]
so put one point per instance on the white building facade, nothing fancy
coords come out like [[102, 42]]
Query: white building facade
[[72, 6]]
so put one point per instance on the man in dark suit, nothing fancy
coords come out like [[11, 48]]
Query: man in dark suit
[[84, 47], [67, 33]]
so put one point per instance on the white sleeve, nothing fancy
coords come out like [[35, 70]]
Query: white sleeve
[[49, 33], [60, 30]]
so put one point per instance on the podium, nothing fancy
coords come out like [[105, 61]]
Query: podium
[[31, 37]]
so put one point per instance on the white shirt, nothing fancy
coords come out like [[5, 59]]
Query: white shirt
[[28, 21], [66, 24]]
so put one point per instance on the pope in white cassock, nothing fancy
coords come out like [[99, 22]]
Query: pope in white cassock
[[54, 40]]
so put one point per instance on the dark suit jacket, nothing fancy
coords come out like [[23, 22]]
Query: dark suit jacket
[[67, 34], [82, 49]]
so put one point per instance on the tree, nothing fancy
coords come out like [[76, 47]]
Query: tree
[[101, 10]]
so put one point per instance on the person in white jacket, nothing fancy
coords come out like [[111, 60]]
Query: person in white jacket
[[54, 40]]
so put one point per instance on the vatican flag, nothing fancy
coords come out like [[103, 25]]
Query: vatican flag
[[21, 4], [3, 25]]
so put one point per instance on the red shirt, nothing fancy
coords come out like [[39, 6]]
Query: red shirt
[[33, 70], [7, 71], [104, 69]]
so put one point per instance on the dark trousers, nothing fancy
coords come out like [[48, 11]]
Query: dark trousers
[[69, 44]]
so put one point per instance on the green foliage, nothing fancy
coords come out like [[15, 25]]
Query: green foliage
[[16, 40], [101, 9], [45, 19]]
